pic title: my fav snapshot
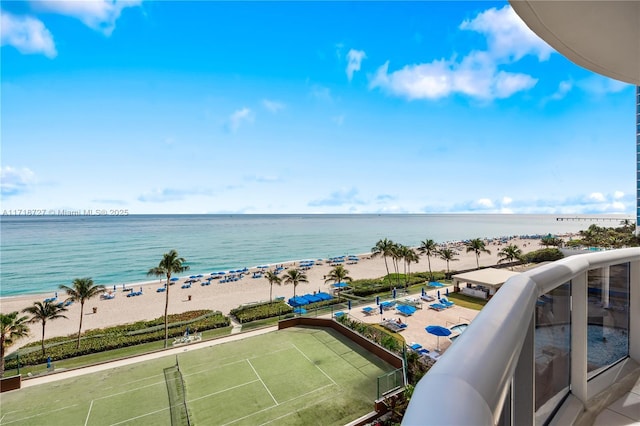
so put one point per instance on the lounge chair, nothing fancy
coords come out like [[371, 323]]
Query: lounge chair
[[428, 298], [437, 306], [446, 302], [338, 314], [368, 310]]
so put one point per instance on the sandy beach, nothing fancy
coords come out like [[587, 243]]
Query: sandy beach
[[225, 296]]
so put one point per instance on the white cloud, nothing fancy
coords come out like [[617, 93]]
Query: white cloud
[[596, 196], [99, 15], [508, 37], [354, 59], [617, 195], [339, 198], [442, 78], [170, 194], [239, 117], [321, 93], [599, 85], [273, 106], [506, 201], [15, 181], [27, 34], [478, 74], [484, 203], [563, 88]]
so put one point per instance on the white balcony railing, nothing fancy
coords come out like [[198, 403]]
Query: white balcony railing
[[488, 376]]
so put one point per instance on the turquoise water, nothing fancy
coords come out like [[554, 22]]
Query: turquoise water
[[37, 254]]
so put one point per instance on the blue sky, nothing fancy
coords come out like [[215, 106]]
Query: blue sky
[[286, 107]]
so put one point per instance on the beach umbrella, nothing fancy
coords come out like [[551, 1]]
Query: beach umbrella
[[174, 279], [438, 294], [114, 287], [447, 291], [377, 300], [349, 304], [199, 276], [438, 330], [394, 293], [48, 362], [193, 276], [406, 309], [340, 285], [381, 308], [423, 291], [299, 311], [221, 273]]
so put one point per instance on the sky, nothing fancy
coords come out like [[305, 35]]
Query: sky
[[159, 107]]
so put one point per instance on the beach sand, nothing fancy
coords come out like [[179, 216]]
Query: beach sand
[[226, 296]]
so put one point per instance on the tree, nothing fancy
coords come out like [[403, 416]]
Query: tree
[[409, 256], [509, 254], [429, 248], [295, 277], [477, 246], [13, 328], [396, 255], [383, 248], [273, 278], [448, 255], [550, 240], [170, 264], [45, 311], [338, 274], [82, 290]]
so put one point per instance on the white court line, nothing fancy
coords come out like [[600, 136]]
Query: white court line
[[41, 414], [293, 412], [139, 417], [89, 413], [273, 406], [131, 390], [263, 383], [222, 391], [321, 370]]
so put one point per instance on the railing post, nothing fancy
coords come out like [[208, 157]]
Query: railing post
[[634, 311], [579, 320], [523, 387]]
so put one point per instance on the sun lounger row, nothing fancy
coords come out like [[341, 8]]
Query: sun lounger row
[[309, 298], [393, 325], [134, 293]]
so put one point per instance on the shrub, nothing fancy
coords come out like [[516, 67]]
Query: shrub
[[544, 255], [100, 340], [248, 313]]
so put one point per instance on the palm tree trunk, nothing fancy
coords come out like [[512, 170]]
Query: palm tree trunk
[[80, 328], [43, 324], [429, 262], [271, 293], [385, 264], [166, 314], [1, 356], [478, 259]]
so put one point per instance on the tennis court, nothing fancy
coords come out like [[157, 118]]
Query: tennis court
[[301, 375]]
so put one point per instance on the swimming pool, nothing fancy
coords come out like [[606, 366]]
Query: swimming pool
[[457, 330]]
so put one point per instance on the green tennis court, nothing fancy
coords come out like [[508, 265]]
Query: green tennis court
[[301, 375]]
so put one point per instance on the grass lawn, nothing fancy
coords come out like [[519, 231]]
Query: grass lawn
[[467, 301], [300, 375]]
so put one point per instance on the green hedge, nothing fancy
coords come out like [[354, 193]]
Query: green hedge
[[106, 339], [544, 255], [260, 311]]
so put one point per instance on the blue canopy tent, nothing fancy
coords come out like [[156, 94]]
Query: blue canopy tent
[[299, 311], [438, 330]]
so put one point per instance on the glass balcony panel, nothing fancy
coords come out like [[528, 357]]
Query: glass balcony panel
[[553, 344], [608, 316]]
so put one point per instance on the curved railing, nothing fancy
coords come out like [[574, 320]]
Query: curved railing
[[472, 382]]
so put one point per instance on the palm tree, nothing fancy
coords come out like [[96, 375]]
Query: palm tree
[[448, 255], [171, 263], [13, 328], [384, 248], [295, 277], [273, 279], [477, 246], [396, 254], [409, 256], [338, 274], [429, 248], [509, 254], [45, 311], [82, 290]]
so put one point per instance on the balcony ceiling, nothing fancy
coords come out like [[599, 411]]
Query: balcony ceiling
[[602, 36]]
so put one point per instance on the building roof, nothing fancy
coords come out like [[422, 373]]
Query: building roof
[[490, 277], [602, 36]]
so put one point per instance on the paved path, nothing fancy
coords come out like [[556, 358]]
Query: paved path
[[34, 381]]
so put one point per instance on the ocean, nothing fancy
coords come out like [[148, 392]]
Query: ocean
[[38, 253]]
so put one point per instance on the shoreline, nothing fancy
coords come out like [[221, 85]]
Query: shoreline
[[226, 296]]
